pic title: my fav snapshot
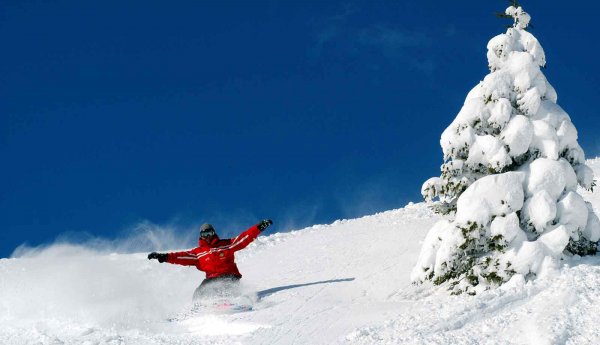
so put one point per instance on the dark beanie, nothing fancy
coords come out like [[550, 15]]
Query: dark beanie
[[206, 227]]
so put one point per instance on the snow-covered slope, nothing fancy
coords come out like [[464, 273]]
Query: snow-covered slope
[[347, 282]]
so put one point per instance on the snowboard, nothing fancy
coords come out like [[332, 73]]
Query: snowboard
[[218, 298], [229, 304]]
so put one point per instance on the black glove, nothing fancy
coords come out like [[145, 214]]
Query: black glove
[[263, 224], [161, 257]]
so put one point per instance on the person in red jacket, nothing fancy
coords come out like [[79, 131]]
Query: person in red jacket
[[214, 255]]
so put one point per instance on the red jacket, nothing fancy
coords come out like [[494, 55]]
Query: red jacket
[[215, 259]]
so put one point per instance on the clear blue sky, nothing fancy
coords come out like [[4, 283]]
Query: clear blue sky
[[181, 112]]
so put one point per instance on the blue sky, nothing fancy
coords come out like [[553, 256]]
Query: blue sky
[[117, 112]]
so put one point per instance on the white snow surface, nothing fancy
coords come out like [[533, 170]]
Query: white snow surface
[[344, 283]]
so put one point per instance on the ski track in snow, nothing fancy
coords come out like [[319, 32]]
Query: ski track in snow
[[344, 283]]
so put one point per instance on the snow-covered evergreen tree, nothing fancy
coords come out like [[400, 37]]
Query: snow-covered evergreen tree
[[511, 168]]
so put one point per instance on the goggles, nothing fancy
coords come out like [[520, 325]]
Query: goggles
[[207, 233]]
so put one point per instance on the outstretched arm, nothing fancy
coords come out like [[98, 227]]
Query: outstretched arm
[[187, 258], [246, 237]]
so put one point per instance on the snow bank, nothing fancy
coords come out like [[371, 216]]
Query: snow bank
[[325, 279]]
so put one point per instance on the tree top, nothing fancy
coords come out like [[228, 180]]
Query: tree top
[[520, 17]]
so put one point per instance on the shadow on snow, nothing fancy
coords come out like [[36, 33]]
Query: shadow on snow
[[267, 292]]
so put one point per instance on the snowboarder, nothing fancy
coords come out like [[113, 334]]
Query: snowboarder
[[214, 255]]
